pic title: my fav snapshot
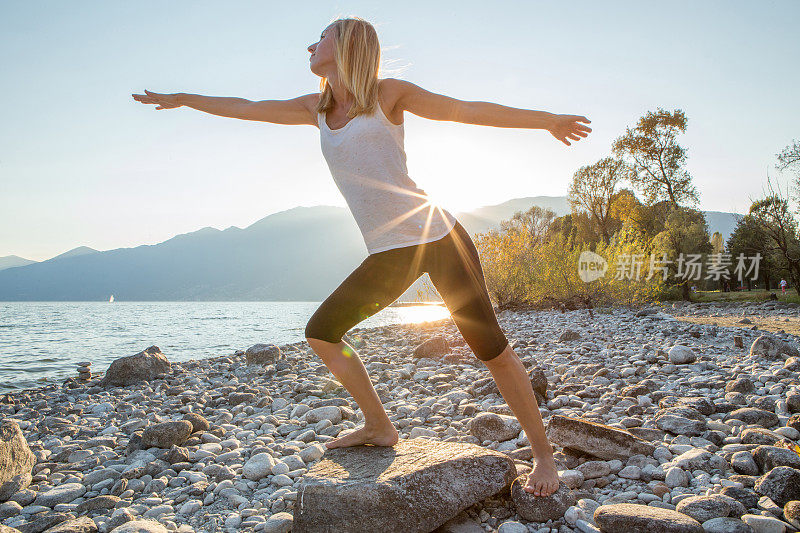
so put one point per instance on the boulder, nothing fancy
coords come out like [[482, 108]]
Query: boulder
[[751, 415], [726, 525], [434, 347], [143, 366], [781, 484], [680, 355], [494, 427], [16, 460], [704, 508], [414, 486], [596, 439], [772, 348], [634, 518], [768, 457], [262, 354], [166, 434]]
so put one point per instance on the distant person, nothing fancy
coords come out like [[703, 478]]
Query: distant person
[[360, 121], [783, 285]]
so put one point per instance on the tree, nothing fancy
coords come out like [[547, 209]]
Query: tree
[[685, 232], [593, 188], [749, 239], [789, 159], [776, 221], [657, 159]]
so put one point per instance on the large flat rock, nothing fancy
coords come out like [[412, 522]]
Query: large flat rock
[[599, 440], [414, 486]]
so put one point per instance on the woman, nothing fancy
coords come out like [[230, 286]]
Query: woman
[[360, 118]]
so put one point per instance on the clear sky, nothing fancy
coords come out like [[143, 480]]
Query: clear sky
[[82, 163]]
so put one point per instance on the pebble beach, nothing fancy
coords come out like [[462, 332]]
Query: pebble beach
[[658, 424]]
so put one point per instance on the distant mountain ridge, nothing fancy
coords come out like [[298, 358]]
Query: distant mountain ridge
[[300, 254]]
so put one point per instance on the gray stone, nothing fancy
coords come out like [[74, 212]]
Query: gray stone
[[768, 457], [262, 354], [494, 427], [726, 525], [751, 415], [414, 486], [434, 347], [16, 460], [143, 366], [595, 439], [84, 524], [279, 523], [166, 434], [140, 526], [680, 355], [743, 463], [781, 484], [791, 512], [704, 508], [60, 494], [772, 348], [633, 518], [540, 508]]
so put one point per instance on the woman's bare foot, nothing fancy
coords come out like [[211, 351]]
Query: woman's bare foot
[[543, 479], [379, 436]]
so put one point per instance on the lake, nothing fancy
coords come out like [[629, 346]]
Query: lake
[[42, 342]]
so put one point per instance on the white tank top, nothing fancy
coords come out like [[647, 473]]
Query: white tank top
[[367, 160]]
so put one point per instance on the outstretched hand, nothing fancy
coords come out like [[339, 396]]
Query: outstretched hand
[[163, 101], [569, 127]]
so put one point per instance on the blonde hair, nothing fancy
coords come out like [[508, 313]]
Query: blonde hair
[[358, 58]]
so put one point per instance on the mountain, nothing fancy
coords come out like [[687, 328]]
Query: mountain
[[9, 261], [300, 254]]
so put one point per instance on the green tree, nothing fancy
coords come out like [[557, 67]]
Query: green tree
[[657, 159], [749, 239], [776, 221], [685, 232]]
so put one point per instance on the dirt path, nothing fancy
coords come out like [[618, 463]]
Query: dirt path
[[774, 324]]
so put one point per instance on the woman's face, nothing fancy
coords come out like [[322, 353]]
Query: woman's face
[[321, 60]]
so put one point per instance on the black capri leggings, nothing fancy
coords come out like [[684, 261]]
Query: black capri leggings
[[454, 267]]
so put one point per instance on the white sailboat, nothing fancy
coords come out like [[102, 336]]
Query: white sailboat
[[111, 299]]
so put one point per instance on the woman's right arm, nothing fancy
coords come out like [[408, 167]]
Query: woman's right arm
[[300, 110]]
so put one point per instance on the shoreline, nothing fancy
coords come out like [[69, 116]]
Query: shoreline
[[617, 368]]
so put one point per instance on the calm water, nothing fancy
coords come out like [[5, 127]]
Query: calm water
[[42, 342]]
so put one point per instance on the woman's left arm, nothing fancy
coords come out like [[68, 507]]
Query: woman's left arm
[[426, 104]]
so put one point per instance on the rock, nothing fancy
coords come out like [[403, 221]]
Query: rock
[[166, 434], [781, 484], [704, 508], [751, 415], [540, 508], [594, 469], [140, 526], [84, 524], [328, 412], [743, 463], [569, 335], [726, 525], [414, 486], [539, 381], [258, 466], [791, 512], [676, 477], [743, 385], [199, 423], [680, 425], [772, 348], [65, 493], [263, 354], [571, 478], [433, 347], [16, 460], [747, 497], [793, 402], [764, 524], [596, 439], [634, 518], [768, 457], [494, 427], [279, 523], [143, 366], [680, 355]]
